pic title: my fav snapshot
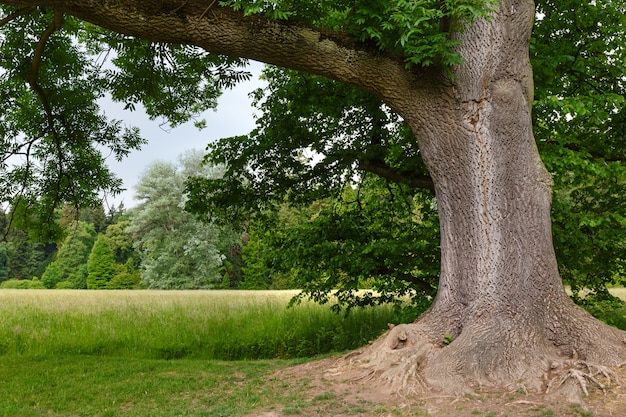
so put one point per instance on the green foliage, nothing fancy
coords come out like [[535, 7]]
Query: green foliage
[[183, 80], [100, 264], [347, 229], [125, 278], [53, 72], [52, 117], [263, 261], [332, 249], [64, 285], [313, 136], [71, 261], [91, 215], [375, 239], [579, 57], [610, 310], [22, 284], [52, 276], [22, 257], [120, 241], [418, 30], [28, 258], [5, 267]]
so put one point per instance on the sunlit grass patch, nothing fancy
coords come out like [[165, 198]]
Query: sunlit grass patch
[[618, 292]]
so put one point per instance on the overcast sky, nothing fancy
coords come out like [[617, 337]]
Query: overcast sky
[[234, 116]]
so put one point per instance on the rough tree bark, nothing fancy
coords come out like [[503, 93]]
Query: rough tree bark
[[500, 296]]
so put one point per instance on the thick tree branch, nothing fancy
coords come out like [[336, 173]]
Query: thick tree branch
[[332, 54], [385, 171]]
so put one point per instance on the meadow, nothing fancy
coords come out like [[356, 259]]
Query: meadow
[[164, 353], [224, 325], [177, 354]]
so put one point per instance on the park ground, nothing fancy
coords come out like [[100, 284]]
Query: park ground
[[55, 375]]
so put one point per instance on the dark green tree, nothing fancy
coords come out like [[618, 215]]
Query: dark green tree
[[5, 266], [100, 264], [127, 276], [121, 241], [71, 261], [28, 257], [52, 275], [127, 269], [379, 236]]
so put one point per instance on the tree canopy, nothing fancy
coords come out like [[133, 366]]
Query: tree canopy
[[579, 63], [177, 250], [55, 136], [315, 136]]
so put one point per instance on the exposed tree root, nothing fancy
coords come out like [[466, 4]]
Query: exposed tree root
[[408, 360], [582, 373], [395, 359]]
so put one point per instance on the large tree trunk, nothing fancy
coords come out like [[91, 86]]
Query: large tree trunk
[[500, 297]]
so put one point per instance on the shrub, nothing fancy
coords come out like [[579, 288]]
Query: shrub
[[22, 284], [611, 311], [64, 285], [52, 275], [124, 280]]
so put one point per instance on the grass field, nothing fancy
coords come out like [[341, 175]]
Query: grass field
[[227, 325], [110, 353], [83, 385], [163, 354]]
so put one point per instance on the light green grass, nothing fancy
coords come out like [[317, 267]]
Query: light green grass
[[45, 372], [175, 324]]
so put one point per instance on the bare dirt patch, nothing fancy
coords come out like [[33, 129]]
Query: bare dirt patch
[[324, 392]]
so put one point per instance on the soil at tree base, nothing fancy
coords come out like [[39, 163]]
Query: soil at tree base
[[343, 395]]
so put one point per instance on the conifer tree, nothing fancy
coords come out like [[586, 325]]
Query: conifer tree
[[101, 264]]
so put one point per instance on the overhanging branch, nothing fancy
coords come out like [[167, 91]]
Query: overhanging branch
[[20, 12], [55, 25], [385, 171], [332, 54]]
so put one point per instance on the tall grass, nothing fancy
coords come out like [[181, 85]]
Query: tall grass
[[174, 324]]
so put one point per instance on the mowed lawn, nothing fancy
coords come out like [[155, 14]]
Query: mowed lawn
[[162, 353]]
